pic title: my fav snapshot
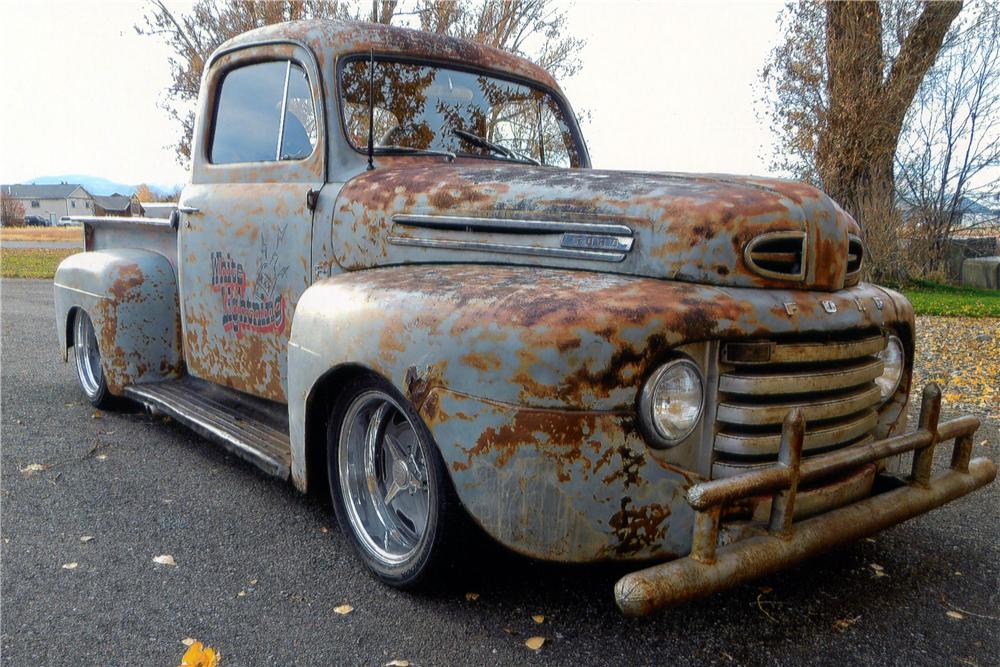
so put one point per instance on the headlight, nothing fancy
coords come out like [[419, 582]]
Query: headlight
[[672, 400], [893, 357]]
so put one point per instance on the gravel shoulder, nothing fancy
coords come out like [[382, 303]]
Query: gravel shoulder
[[259, 568]]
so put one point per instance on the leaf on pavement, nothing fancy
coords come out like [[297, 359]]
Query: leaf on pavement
[[69, 566], [470, 596], [343, 609], [165, 559], [198, 655], [35, 467], [538, 618], [844, 623], [877, 569], [954, 615], [187, 641], [534, 643], [398, 663], [86, 538], [97, 414]]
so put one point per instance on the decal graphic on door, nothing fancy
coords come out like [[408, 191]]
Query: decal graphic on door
[[251, 305]]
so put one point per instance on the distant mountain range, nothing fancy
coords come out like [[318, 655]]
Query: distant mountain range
[[96, 185]]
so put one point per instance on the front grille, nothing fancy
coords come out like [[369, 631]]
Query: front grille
[[778, 255], [831, 381]]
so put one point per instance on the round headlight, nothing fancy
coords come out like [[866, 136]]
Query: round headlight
[[672, 401], [893, 358]]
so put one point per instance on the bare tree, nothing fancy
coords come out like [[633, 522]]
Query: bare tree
[[530, 28], [533, 29], [11, 210], [839, 86], [949, 156]]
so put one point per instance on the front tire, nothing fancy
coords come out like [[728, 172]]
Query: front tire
[[390, 491], [88, 362]]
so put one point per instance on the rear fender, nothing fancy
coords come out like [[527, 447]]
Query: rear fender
[[131, 298]]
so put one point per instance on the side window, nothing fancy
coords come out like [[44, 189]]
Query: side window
[[248, 119]]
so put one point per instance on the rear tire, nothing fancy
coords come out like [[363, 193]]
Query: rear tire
[[88, 362], [390, 490]]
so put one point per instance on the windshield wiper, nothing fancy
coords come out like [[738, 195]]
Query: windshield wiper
[[417, 151], [483, 142]]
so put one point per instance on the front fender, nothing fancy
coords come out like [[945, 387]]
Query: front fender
[[131, 298], [541, 339]]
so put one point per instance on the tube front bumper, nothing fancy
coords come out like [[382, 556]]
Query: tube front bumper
[[709, 569]]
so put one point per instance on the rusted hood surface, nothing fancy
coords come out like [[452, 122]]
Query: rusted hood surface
[[693, 228]]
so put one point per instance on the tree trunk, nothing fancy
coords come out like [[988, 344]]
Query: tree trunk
[[856, 151]]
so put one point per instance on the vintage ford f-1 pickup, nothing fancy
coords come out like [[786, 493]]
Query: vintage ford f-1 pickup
[[395, 275]]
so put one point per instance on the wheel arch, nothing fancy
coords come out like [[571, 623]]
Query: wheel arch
[[318, 405]]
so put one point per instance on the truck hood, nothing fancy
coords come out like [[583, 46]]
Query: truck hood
[[710, 229]]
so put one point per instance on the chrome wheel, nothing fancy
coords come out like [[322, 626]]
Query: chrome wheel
[[88, 356], [382, 469]]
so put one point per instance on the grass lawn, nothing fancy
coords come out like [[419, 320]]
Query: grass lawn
[[41, 234], [32, 262], [936, 299]]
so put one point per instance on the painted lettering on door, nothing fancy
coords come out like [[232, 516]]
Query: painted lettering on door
[[251, 305]]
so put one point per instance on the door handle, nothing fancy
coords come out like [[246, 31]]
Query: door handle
[[188, 209]]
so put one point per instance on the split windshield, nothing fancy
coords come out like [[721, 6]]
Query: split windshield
[[424, 107]]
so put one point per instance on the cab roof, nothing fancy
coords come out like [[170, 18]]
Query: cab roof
[[329, 39]]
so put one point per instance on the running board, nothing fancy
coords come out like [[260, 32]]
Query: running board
[[253, 429]]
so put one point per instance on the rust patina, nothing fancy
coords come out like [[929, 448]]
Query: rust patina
[[523, 310]]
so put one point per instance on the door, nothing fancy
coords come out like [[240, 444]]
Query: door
[[245, 223]]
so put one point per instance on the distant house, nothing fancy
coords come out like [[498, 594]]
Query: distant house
[[52, 202], [117, 205]]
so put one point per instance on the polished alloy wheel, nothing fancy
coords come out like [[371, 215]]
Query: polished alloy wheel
[[382, 467], [88, 357]]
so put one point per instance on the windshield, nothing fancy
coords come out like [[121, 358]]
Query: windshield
[[420, 106]]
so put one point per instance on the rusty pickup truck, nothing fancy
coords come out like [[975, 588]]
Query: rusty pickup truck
[[395, 277]]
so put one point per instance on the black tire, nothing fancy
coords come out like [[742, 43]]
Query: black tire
[[87, 358], [432, 551]]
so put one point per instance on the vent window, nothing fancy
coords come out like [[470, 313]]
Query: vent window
[[777, 255]]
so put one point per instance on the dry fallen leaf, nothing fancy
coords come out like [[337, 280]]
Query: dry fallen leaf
[[471, 596], [844, 623], [34, 467], [766, 589], [69, 566], [398, 663], [97, 414], [877, 569], [101, 457], [187, 641], [241, 594], [954, 614], [253, 582], [324, 529], [538, 618], [534, 643], [165, 559], [199, 655], [343, 609], [86, 538]]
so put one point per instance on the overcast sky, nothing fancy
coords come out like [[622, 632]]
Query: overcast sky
[[669, 86]]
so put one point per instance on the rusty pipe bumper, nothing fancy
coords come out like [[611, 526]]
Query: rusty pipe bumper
[[711, 568]]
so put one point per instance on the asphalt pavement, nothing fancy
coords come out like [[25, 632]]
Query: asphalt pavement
[[260, 568]]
